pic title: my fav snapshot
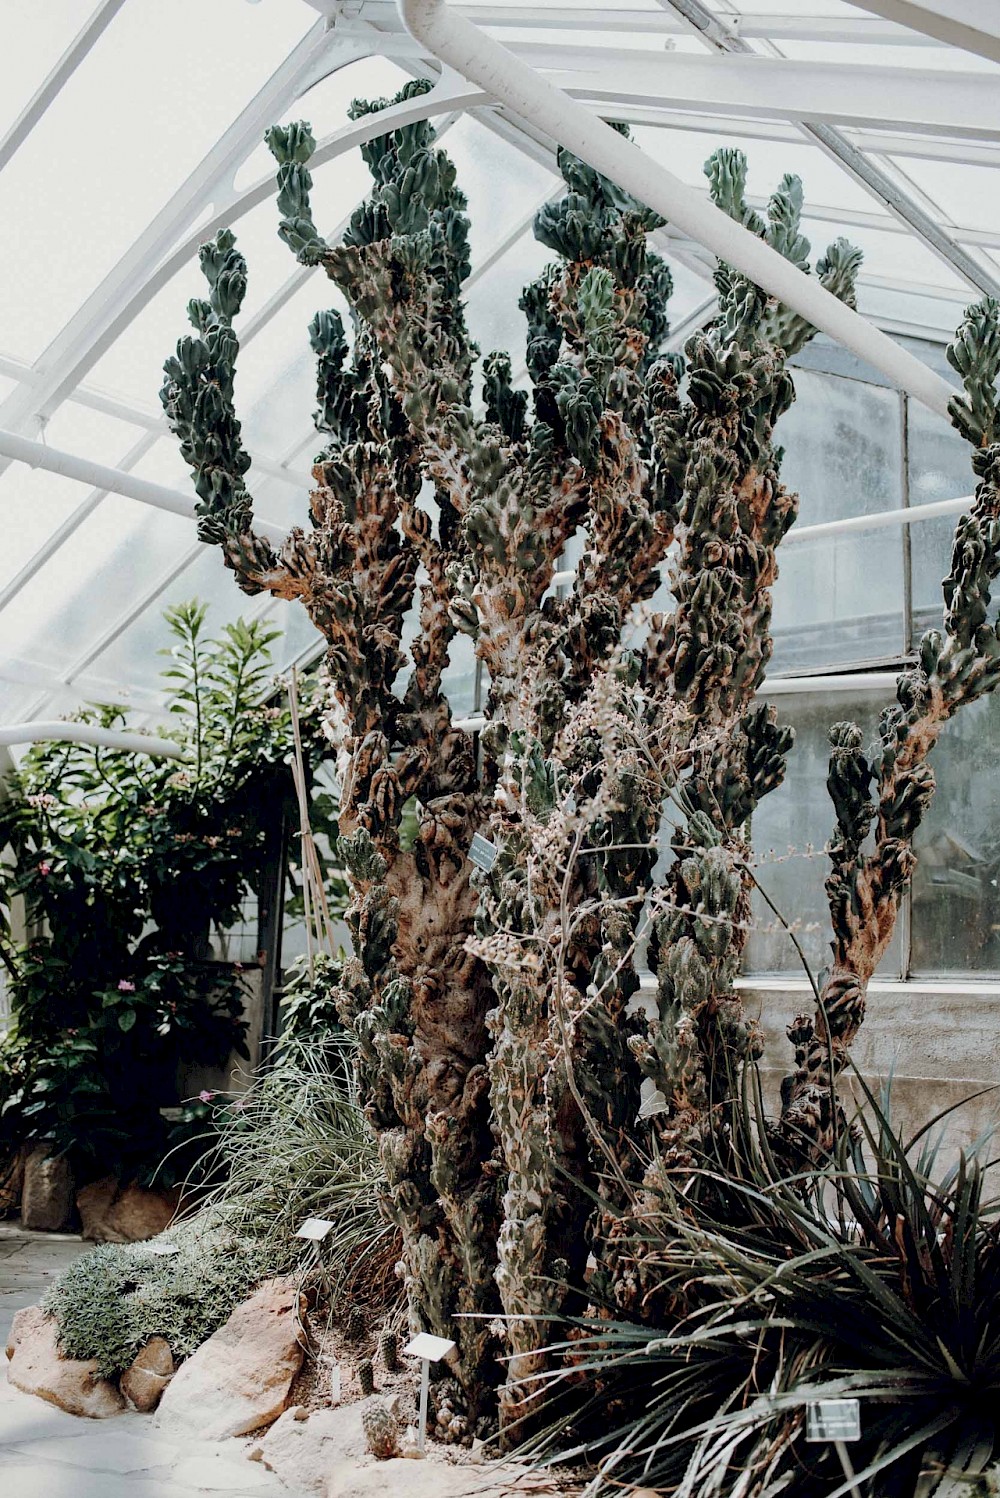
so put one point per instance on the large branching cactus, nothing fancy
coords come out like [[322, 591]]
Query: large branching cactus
[[500, 1059], [879, 798]]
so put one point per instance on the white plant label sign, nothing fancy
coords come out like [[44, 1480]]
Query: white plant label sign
[[833, 1420], [315, 1229]]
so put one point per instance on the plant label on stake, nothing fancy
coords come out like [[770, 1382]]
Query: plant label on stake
[[430, 1350], [314, 1228], [482, 852], [836, 1421]]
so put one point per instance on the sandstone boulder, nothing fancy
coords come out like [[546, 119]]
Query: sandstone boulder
[[303, 1448], [11, 1184], [38, 1367], [240, 1379], [46, 1191], [112, 1213], [144, 1382]]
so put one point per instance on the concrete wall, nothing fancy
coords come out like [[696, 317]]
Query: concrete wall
[[939, 1041]]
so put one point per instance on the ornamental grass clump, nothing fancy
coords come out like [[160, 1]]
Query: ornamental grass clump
[[874, 1277]]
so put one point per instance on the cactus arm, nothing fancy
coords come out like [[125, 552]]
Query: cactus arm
[[955, 666], [709, 659]]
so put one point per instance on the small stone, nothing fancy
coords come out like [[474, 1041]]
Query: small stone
[[299, 1412], [144, 1382]]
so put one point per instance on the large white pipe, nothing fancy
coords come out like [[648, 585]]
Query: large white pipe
[[482, 60], [90, 733], [115, 480]]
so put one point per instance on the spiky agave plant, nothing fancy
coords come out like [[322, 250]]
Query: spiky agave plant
[[876, 1277]]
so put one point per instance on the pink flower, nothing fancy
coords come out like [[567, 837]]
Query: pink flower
[[44, 868], [125, 986], [206, 1096]]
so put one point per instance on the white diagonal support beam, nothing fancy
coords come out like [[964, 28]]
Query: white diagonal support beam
[[94, 28], [20, 449], [721, 37], [973, 25], [529, 96]]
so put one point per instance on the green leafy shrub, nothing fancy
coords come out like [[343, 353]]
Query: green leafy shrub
[[125, 864], [309, 1004], [878, 1281], [110, 1301], [295, 1146]]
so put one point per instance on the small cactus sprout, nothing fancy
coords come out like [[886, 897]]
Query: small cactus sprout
[[355, 1324], [366, 1377], [381, 1430], [388, 1347]]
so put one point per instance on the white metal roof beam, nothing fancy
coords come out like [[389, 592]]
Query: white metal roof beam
[[717, 34], [776, 26], [777, 88], [92, 29], [20, 449], [973, 25], [527, 95]]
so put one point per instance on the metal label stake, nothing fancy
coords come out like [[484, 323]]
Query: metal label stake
[[429, 1350]]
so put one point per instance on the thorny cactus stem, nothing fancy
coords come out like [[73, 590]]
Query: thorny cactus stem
[[709, 657], [537, 954], [886, 795], [416, 1000]]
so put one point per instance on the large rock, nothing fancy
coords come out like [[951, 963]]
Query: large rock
[[325, 1453], [111, 1213], [46, 1191], [304, 1448], [38, 1367], [144, 1382], [240, 1379], [12, 1183]]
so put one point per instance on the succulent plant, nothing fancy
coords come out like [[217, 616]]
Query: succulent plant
[[388, 1350], [880, 797], [355, 1324], [366, 1377], [497, 1056], [381, 1430]]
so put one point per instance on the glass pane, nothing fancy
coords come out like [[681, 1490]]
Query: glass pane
[[121, 137], [940, 468], [113, 556], [790, 829], [839, 599], [956, 887], [495, 320]]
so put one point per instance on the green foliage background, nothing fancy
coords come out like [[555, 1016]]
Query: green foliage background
[[124, 864]]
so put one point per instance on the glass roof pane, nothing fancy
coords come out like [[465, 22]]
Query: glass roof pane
[[41, 502], [91, 434], [495, 320], [87, 584], [969, 195], [121, 137], [34, 38], [501, 182], [133, 655], [684, 152], [325, 107]]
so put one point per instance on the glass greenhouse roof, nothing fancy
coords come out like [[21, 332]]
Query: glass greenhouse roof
[[130, 131]]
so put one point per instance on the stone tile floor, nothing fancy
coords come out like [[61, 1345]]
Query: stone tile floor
[[45, 1453]]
